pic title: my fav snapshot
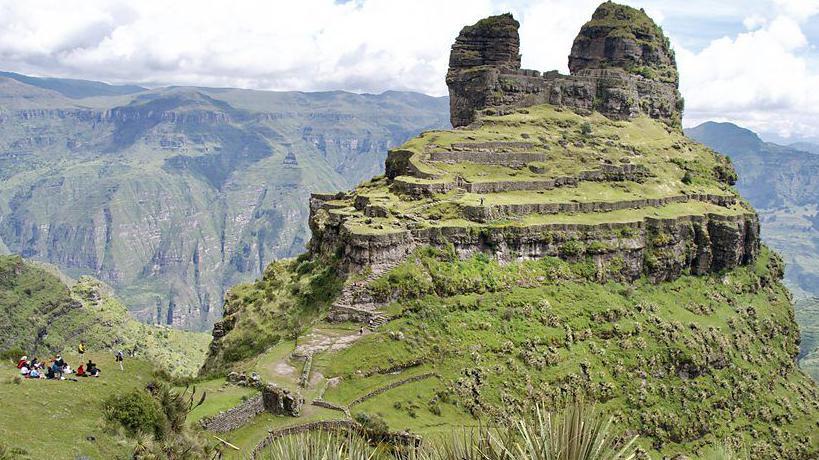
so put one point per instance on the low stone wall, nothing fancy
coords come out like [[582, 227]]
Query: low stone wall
[[615, 173], [392, 385], [304, 380], [235, 417], [492, 212], [329, 405], [409, 187], [511, 159], [492, 146], [400, 162]]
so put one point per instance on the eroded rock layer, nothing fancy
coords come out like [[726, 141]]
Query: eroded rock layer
[[621, 66]]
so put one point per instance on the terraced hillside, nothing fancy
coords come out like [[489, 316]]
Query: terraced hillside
[[549, 250]]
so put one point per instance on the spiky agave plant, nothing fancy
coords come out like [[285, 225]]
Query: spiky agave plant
[[322, 445], [577, 433]]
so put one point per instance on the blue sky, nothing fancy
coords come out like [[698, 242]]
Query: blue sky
[[753, 62]]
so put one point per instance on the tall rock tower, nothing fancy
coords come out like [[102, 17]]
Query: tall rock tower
[[621, 63]]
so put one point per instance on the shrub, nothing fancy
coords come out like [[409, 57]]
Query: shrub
[[372, 422], [586, 128], [571, 248], [137, 412], [12, 354], [577, 433]]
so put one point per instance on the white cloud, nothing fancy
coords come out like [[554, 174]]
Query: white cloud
[[798, 9], [757, 79], [761, 77], [307, 45]]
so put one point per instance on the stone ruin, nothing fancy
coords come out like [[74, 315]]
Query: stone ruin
[[621, 66], [281, 401]]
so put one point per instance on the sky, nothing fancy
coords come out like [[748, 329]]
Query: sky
[[752, 62]]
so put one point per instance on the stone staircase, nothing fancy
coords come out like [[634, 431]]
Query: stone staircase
[[357, 305]]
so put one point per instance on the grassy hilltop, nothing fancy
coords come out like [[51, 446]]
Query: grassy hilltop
[[687, 363]]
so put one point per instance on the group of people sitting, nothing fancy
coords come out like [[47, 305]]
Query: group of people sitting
[[58, 369]]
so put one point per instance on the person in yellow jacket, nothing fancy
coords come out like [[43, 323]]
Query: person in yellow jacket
[[81, 348]]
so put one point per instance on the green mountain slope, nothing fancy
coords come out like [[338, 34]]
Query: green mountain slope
[[41, 316], [171, 195], [543, 252], [781, 183]]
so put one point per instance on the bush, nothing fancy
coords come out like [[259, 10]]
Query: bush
[[12, 354], [137, 412], [372, 422]]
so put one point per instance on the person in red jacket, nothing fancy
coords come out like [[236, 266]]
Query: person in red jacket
[[23, 361], [81, 371]]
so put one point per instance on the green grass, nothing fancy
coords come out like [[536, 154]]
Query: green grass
[[221, 396], [660, 357], [53, 419]]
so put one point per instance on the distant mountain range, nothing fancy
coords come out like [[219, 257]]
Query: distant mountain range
[[782, 183], [173, 194]]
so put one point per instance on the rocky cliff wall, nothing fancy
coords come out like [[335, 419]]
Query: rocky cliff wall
[[659, 248], [621, 65]]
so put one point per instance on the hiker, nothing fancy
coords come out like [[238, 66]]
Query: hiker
[[35, 374], [50, 373], [57, 370], [118, 358], [81, 348], [35, 364], [22, 362], [81, 371], [361, 331], [91, 369], [24, 371], [481, 201], [60, 362]]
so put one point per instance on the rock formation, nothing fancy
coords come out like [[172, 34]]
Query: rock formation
[[540, 175], [621, 65]]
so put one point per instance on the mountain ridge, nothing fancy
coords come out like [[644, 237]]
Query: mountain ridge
[[173, 194]]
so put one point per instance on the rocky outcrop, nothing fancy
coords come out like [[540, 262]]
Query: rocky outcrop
[[621, 65], [660, 249], [622, 37]]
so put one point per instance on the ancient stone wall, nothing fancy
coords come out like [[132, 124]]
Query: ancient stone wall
[[618, 70], [658, 248], [235, 417]]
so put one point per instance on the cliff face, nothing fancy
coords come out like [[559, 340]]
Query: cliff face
[[621, 66], [173, 195]]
